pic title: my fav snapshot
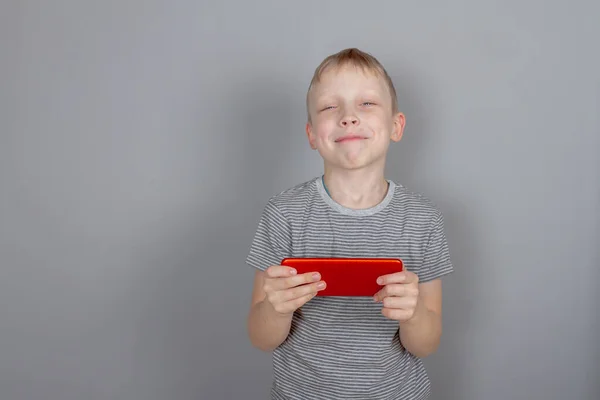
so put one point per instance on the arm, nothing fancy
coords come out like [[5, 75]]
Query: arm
[[266, 327], [278, 293], [416, 306], [421, 334]]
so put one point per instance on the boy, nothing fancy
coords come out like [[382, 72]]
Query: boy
[[355, 347]]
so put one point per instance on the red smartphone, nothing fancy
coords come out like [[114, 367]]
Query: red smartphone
[[347, 276]]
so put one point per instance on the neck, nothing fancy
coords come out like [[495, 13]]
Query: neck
[[357, 189]]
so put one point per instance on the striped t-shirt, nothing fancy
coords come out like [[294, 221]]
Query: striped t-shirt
[[343, 347]]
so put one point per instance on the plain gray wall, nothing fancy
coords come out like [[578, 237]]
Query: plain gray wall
[[140, 141]]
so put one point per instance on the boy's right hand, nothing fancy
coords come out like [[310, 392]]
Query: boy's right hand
[[286, 291]]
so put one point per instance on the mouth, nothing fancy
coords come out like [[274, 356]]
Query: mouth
[[349, 138]]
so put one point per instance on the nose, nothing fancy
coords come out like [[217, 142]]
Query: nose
[[349, 120]]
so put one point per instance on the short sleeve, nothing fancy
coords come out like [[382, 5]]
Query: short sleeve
[[436, 257], [272, 240]]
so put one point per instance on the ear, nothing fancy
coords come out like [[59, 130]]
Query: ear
[[311, 138], [399, 123]]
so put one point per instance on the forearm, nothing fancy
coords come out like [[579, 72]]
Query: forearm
[[421, 334], [267, 328]]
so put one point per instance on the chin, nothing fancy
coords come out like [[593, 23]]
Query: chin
[[355, 161], [350, 164]]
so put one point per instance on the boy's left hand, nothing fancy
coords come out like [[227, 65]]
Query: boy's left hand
[[399, 295]]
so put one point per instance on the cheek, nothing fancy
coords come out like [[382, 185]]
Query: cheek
[[324, 129], [378, 124]]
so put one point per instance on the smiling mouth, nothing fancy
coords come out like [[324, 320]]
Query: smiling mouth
[[349, 138]]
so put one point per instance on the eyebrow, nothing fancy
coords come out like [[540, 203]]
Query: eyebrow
[[368, 94]]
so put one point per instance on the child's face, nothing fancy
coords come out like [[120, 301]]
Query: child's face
[[352, 119]]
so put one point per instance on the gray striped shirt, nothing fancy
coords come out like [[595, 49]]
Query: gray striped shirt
[[343, 347]]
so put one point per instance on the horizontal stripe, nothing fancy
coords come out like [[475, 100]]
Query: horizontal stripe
[[343, 347]]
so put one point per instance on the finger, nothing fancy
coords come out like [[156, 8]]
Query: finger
[[398, 289], [397, 314], [301, 291], [293, 305], [280, 271], [403, 303], [390, 290], [398, 277], [294, 281]]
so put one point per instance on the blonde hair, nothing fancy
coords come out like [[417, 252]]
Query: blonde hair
[[357, 58]]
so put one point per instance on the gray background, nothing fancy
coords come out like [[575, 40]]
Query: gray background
[[140, 141]]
